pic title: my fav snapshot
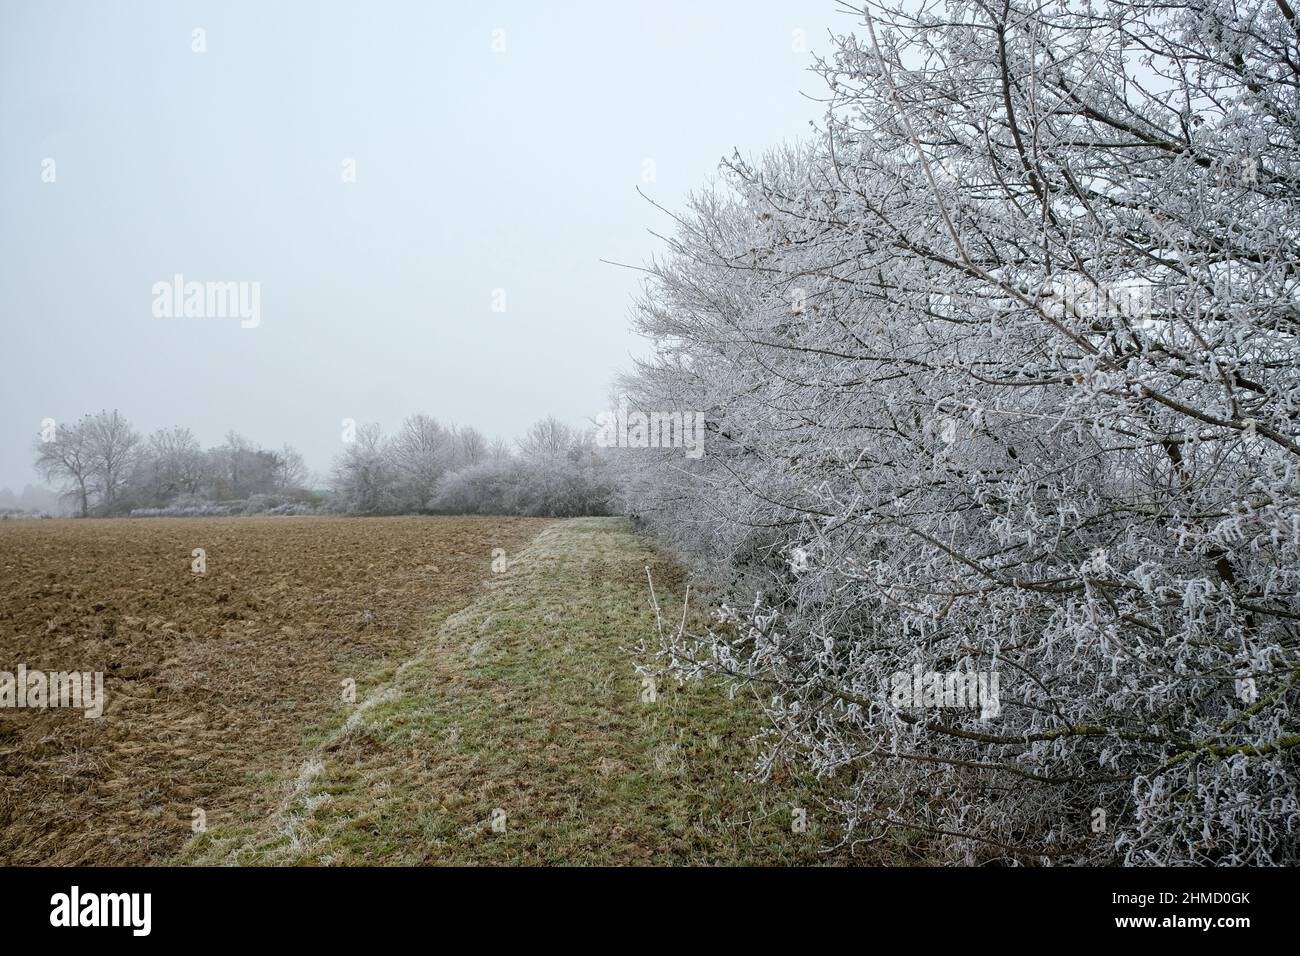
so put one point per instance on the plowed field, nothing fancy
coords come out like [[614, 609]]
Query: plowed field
[[209, 679]]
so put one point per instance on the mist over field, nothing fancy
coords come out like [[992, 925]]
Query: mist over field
[[422, 193], [767, 434]]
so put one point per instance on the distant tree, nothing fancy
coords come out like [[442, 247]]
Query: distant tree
[[489, 487], [422, 452], [548, 438], [471, 447], [67, 459], [104, 467], [364, 477], [229, 460], [290, 469], [557, 474], [114, 446], [499, 450], [244, 469], [171, 464]]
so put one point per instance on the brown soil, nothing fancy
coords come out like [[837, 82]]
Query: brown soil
[[210, 681]]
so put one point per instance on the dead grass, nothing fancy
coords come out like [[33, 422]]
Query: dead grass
[[526, 703]]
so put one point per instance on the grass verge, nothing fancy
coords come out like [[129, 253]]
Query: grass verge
[[525, 708]]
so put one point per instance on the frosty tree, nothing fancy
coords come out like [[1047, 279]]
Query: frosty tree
[[1001, 374]]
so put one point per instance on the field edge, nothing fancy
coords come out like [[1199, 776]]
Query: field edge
[[520, 733]]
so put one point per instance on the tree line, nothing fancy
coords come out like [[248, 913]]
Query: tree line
[[105, 467], [554, 470]]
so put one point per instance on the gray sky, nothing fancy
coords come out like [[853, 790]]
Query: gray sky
[[475, 170]]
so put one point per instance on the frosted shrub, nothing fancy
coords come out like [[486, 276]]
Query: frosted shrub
[[1002, 376]]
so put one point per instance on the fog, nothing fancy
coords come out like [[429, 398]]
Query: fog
[[422, 194]]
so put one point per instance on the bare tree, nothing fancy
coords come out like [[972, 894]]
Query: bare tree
[[243, 469], [548, 438], [231, 459], [113, 445], [471, 447], [172, 463], [68, 460], [499, 449], [290, 469]]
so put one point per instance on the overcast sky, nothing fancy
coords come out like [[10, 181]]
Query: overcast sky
[[475, 170]]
